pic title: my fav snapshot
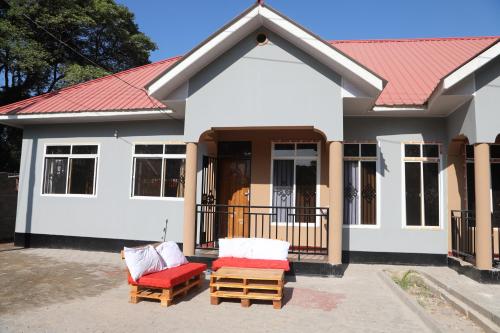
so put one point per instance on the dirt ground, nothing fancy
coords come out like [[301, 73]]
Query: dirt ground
[[444, 314]]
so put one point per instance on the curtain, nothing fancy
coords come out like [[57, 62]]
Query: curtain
[[351, 192], [282, 188], [368, 193], [54, 179]]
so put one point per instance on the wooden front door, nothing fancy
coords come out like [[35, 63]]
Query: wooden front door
[[234, 190]]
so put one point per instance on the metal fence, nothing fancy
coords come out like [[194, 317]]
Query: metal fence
[[305, 228]]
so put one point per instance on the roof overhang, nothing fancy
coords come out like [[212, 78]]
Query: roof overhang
[[471, 66], [83, 117], [250, 20], [457, 87]]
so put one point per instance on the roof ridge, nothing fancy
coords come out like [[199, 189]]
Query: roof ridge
[[81, 84], [407, 40]]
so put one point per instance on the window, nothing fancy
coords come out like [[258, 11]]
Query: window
[[421, 176], [70, 169], [360, 184], [159, 170], [295, 177]]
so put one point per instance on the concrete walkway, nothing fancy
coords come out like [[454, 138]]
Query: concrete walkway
[[63, 290], [484, 296]]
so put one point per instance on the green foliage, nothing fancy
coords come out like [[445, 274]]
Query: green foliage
[[32, 62], [406, 280], [76, 73]]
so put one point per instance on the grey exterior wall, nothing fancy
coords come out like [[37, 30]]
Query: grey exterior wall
[[479, 119], [390, 235], [271, 85], [112, 213], [487, 101]]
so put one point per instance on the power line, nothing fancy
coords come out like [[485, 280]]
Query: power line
[[92, 62]]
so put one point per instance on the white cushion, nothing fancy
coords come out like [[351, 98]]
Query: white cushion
[[171, 254], [269, 249], [142, 260], [242, 247], [235, 247], [225, 247]]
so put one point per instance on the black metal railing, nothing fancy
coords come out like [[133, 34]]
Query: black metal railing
[[463, 232], [305, 228]]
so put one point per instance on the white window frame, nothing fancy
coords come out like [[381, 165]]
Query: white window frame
[[70, 156], [161, 156], [360, 159], [295, 158], [422, 160]]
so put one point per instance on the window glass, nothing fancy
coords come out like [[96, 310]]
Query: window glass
[[368, 192], [430, 150], [284, 149], [283, 175], [431, 194], [148, 149], [351, 192], [84, 149], [369, 150], [413, 193], [309, 149], [173, 178], [147, 177], [175, 149], [351, 150], [55, 176], [81, 176], [412, 150], [53, 150], [305, 195]]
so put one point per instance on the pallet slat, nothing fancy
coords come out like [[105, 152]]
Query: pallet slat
[[247, 284]]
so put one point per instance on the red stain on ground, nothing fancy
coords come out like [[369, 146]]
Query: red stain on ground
[[313, 299]]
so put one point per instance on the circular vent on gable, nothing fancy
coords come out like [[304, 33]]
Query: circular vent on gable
[[261, 39]]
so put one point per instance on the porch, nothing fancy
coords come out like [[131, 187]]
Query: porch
[[475, 204], [265, 183]]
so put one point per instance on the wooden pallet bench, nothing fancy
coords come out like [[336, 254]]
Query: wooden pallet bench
[[156, 287], [247, 284], [164, 295]]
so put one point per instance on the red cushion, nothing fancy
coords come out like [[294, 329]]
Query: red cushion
[[170, 277], [250, 263]]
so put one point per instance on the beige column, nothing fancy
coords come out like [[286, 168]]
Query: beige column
[[190, 199], [482, 179], [336, 201]]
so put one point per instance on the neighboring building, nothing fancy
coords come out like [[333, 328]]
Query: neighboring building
[[266, 130], [8, 204]]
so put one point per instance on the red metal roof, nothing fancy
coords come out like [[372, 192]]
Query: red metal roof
[[107, 93], [412, 67]]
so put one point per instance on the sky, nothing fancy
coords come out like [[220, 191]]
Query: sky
[[177, 26]]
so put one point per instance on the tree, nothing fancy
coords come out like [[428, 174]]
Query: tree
[[33, 62]]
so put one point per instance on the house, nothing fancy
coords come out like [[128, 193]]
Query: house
[[353, 151]]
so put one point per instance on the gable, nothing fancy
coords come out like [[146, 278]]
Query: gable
[[274, 84], [260, 16]]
